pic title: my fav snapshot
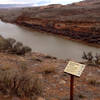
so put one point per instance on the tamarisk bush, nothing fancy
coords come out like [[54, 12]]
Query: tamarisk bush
[[95, 60], [17, 47]]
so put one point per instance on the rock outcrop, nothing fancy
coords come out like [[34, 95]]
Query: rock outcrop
[[78, 21], [88, 32]]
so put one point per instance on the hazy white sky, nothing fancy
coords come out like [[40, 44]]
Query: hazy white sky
[[39, 2]]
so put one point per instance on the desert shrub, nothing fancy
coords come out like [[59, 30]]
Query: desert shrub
[[9, 78], [81, 96], [14, 82], [11, 46], [23, 66], [88, 56], [97, 59], [95, 28], [26, 49], [49, 57], [3, 44], [37, 59], [19, 49], [30, 86], [47, 68], [11, 41], [84, 56], [94, 82], [91, 60]]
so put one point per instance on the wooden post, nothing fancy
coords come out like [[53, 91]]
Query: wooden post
[[71, 87]]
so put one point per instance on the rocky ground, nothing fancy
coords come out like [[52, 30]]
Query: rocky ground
[[56, 82]]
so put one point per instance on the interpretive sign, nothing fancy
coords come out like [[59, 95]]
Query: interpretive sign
[[74, 68]]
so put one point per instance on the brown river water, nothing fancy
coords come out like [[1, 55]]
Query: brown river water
[[46, 43]]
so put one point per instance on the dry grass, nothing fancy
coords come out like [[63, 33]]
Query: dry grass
[[4, 45], [31, 85], [23, 66], [9, 78], [47, 68], [14, 82]]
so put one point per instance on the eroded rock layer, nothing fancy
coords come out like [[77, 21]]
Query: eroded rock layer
[[84, 31]]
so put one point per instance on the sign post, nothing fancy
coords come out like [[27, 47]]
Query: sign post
[[71, 87], [74, 69]]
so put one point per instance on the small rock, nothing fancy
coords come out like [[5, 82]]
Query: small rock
[[48, 88], [36, 64], [62, 82], [61, 89], [90, 74], [6, 96], [53, 85], [40, 98], [55, 76], [98, 71], [53, 99], [40, 76], [15, 98]]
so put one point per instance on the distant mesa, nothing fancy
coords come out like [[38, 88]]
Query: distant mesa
[[51, 6], [87, 2], [15, 5]]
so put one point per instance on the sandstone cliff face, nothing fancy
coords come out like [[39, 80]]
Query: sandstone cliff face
[[79, 21], [88, 2], [88, 32]]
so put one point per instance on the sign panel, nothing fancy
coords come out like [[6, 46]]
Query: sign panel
[[74, 68]]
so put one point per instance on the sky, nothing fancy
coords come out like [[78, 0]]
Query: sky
[[38, 2]]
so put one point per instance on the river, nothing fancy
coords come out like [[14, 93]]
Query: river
[[46, 43]]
